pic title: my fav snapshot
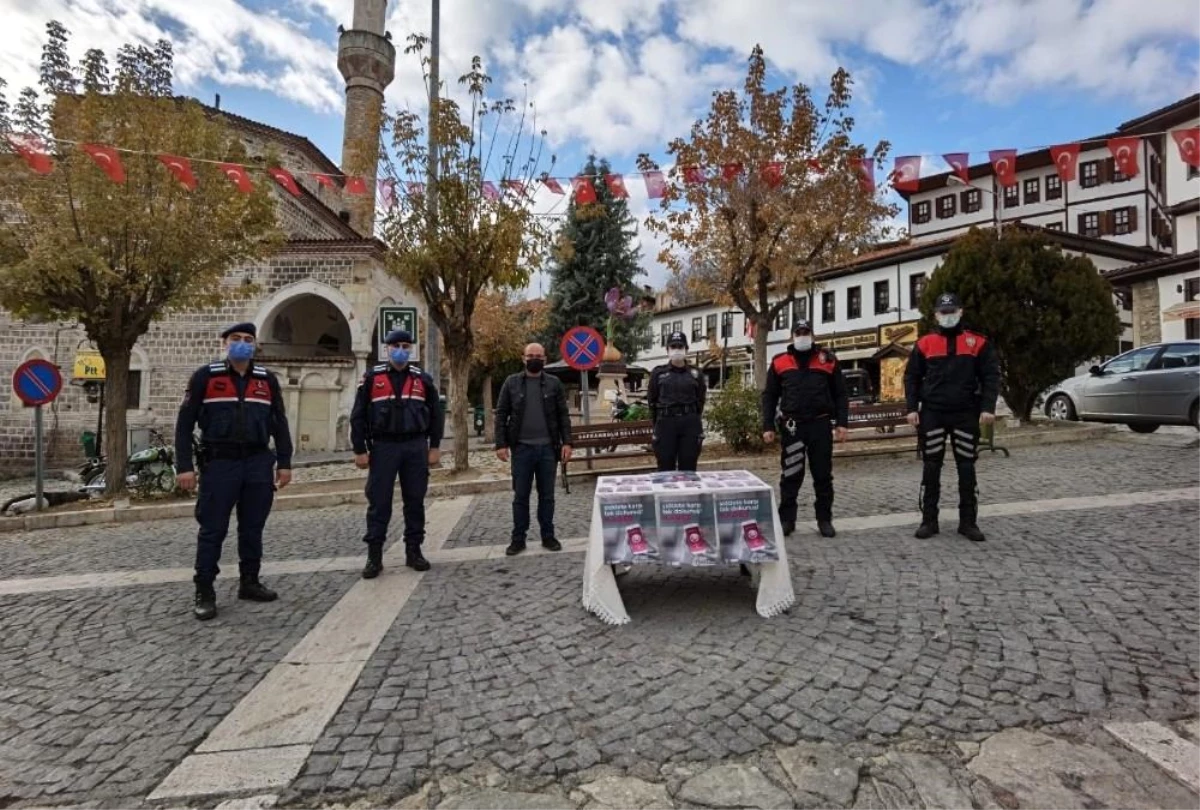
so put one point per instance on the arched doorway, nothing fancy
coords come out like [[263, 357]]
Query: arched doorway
[[305, 326]]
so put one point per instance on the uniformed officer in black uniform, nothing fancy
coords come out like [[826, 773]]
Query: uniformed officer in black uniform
[[806, 395], [396, 430], [239, 407], [676, 398], [951, 385]]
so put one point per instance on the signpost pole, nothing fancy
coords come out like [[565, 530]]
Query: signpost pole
[[587, 410], [39, 466]]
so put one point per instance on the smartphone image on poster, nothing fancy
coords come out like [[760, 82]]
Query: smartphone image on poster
[[636, 541], [752, 536], [694, 538]]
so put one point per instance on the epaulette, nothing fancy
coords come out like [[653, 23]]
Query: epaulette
[[380, 368], [695, 373], [259, 371], [216, 367]]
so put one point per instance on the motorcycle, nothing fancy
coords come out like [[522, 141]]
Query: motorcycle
[[147, 471]]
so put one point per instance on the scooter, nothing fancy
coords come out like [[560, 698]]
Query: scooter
[[148, 471]]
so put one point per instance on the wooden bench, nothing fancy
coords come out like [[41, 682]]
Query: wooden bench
[[886, 417], [608, 436]]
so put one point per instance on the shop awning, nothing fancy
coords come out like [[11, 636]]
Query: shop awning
[[1182, 311], [856, 354]]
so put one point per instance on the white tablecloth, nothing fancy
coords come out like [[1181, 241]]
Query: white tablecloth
[[659, 493]]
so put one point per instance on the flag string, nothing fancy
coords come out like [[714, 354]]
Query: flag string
[[905, 176]]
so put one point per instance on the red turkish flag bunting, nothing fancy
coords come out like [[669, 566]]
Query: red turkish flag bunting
[[772, 174], [238, 176], [107, 159], [865, 168], [355, 185], [693, 175], [815, 165], [1188, 141], [907, 174], [180, 169], [656, 184], [1066, 160], [515, 185], [490, 192], [1125, 154], [1004, 164], [616, 186], [553, 185], [731, 172], [324, 180], [585, 192], [415, 189], [284, 178], [33, 152], [960, 164]]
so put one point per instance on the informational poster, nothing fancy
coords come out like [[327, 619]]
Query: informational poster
[[746, 526], [630, 530], [686, 528]]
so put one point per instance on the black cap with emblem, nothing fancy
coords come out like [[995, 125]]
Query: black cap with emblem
[[801, 327], [947, 302], [677, 340]]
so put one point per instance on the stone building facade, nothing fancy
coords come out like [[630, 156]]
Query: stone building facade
[[315, 303]]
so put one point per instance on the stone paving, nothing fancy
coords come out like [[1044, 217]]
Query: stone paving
[[901, 659]]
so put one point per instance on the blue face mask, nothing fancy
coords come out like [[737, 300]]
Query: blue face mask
[[399, 356], [240, 352]]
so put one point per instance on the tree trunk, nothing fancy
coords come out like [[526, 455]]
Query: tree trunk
[[116, 398], [489, 419], [761, 335], [460, 381]]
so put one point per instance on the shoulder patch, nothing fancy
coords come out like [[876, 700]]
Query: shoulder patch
[[258, 371], [695, 374], [216, 366], [380, 367]]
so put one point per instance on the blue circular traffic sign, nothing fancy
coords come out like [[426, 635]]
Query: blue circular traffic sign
[[581, 348], [37, 382]]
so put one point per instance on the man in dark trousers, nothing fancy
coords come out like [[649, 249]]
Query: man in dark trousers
[[806, 395], [676, 399], [951, 384], [533, 431], [239, 407], [396, 429]]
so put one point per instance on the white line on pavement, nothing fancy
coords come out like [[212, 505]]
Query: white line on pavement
[[284, 714], [1162, 746]]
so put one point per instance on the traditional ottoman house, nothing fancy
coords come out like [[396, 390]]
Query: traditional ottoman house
[[316, 305]]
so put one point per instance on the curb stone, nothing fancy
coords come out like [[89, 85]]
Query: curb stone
[[451, 489]]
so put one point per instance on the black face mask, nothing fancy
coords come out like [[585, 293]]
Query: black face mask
[[535, 365]]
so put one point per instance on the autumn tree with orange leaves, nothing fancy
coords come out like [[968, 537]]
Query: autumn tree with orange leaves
[[767, 188]]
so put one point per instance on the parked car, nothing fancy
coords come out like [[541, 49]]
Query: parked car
[[1145, 388]]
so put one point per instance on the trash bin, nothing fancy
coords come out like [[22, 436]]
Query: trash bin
[[88, 440]]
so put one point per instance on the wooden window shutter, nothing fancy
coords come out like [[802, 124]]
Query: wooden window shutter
[[1133, 219], [964, 197], [1081, 225], [1106, 170], [1106, 223]]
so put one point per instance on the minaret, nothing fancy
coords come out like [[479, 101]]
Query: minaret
[[367, 60]]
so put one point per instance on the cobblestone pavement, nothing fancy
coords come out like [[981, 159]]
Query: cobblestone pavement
[[1061, 620], [102, 692]]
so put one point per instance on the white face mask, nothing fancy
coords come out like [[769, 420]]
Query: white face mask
[[948, 320], [677, 356], [803, 343]]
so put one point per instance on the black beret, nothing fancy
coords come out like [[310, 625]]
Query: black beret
[[246, 328], [398, 336]]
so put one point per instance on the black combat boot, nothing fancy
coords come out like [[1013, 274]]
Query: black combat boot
[[415, 560], [927, 500], [374, 561], [968, 513], [205, 607], [825, 527], [789, 528], [253, 590], [928, 528]]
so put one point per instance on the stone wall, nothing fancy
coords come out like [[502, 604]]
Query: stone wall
[[1147, 315]]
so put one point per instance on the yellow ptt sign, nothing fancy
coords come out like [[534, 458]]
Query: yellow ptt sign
[[89, 366]]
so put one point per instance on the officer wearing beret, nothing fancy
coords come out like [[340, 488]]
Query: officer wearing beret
[[239, 407], [676, 399], [806, 394], [396, 429]]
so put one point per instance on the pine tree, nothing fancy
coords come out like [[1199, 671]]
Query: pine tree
[[597, 250]]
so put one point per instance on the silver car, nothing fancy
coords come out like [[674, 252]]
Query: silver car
[[1144, 388]]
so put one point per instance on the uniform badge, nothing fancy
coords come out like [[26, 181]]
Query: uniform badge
[[380, 383], [971, 342]]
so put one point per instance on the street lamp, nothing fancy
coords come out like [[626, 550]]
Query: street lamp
[[997, 202]]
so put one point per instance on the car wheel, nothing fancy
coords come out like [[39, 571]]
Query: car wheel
[[1194, 415], [1143, 427], [1060, 408]]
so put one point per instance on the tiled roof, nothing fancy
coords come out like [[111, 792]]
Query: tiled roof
[[1155, 268]]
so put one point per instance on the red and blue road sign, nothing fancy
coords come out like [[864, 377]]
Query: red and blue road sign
[[581, 348], [37, 382]]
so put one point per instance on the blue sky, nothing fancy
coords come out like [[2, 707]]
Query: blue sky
[[619, 77]]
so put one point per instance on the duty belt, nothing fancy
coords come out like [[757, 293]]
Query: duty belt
[[678, 410], [399, 437], [791, 420], [229, 452]]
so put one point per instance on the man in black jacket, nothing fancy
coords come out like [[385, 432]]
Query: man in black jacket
[[953, 378], [533, 431], [806, 393]]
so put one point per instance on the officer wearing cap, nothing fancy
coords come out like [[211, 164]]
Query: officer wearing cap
[[239, 407], [951, 384], [396, 429], [676, 399], [805, 395]]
